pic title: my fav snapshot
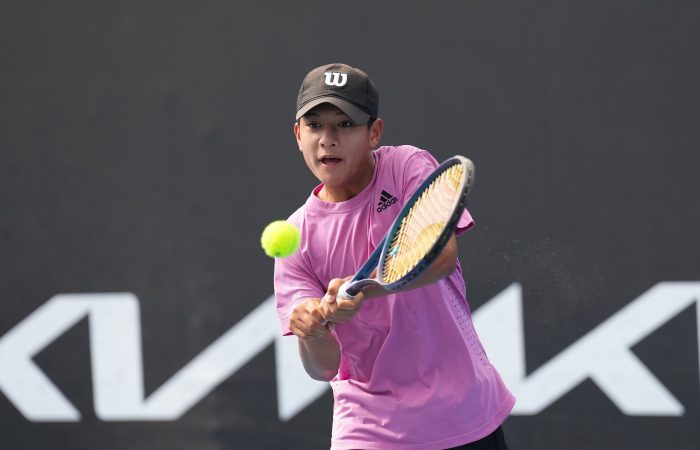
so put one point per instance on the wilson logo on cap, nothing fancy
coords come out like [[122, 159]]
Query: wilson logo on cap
[[338, 79]]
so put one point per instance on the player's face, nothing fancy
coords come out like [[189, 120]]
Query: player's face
[[337, 151]]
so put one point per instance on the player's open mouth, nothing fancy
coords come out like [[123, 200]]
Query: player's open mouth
[[329, 160]]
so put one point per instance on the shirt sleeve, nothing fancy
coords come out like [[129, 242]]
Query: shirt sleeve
[[294, 281], [417, 167]]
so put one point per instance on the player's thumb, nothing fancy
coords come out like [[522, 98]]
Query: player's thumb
[[332, 291]]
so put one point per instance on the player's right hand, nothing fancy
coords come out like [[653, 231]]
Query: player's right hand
[[337, 309], [307, 320]]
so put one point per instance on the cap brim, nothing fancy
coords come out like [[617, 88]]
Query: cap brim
[[353, 112]]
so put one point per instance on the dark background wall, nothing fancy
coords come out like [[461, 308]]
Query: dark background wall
[[144, 145]]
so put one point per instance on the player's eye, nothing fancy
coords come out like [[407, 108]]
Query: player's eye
[[313, 124], [345, 124]]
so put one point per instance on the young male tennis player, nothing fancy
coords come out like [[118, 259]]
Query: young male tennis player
[[407, 369]]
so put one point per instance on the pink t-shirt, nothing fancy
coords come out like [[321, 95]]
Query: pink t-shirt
[[413, 374]]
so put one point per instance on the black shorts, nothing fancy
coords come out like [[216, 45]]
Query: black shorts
[[494, 441]]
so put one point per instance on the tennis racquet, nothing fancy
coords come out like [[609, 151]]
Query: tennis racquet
[[419, 232]]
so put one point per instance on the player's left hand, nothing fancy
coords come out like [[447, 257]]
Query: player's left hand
[[339, 310]]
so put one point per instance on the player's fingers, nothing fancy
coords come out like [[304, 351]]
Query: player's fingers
[[310, 309], [334, 285], [310, 317], [351, 304], [332, 290], [306, 329], [327, 310], [346, 305], [307, 319], [297, 330], [317, 328], [316, 317]]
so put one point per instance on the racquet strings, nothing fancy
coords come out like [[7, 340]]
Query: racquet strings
[[421, 228]]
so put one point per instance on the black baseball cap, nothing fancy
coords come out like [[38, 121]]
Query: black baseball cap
[[348, 88]]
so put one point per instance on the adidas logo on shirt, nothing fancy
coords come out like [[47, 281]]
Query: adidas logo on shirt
[[386, 200]]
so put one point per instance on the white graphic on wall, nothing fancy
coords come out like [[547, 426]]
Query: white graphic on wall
[[603, 356]]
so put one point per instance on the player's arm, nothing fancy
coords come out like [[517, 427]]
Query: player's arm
[[318, 349]]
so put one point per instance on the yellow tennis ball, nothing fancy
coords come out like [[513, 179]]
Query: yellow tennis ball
[[280, 239]]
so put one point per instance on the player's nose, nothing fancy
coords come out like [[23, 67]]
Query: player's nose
[[329, 138]]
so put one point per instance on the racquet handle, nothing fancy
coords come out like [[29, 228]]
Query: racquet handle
[[350, 289], [343, 291]]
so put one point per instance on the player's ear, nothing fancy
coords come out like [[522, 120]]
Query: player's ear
[[375, 133], [297, 135]]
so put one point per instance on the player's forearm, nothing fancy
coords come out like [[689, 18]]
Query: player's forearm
[[443, 266], [320, 356]]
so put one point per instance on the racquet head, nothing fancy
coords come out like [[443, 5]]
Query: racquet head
[[420, 231], [426, 223]]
